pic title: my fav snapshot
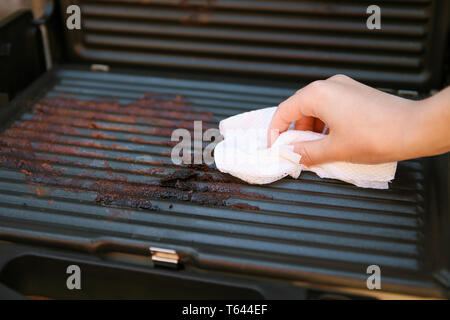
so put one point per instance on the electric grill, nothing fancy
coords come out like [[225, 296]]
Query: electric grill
[[86, 176]]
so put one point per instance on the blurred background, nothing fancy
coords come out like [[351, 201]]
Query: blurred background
[[8, 6]]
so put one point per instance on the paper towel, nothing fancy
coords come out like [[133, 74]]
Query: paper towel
[[244, 154]]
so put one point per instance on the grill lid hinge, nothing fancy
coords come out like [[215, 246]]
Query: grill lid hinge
[[165, 257]]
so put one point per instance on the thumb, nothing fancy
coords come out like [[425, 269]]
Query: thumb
[[313, 152]]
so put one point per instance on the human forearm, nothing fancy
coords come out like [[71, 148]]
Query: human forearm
[[430, 129]]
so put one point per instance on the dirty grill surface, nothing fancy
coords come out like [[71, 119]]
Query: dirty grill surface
[[89, 160]]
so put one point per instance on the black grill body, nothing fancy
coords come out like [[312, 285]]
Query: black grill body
[[86, 175]]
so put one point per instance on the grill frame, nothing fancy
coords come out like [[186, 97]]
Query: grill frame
[[419, 282]]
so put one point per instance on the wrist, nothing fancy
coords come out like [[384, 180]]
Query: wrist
[[409, 125], [419, 130], [429, 126]]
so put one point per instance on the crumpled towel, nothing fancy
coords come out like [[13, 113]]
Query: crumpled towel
[[244, 154]]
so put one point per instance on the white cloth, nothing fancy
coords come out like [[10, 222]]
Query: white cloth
[[244, 154]]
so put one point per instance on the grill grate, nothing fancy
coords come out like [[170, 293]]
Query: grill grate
[[278, 39], [90, 160]]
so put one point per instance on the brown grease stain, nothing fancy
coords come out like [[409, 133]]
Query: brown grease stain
[[55, 129]]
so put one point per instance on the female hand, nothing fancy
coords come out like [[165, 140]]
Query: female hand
[[365, 125]]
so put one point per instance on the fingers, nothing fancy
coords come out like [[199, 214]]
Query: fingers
[[308, 106], [285, 114], [318, 125], [314, 152], [341, 78], [305, 124], [309, 124], [305, 103]]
